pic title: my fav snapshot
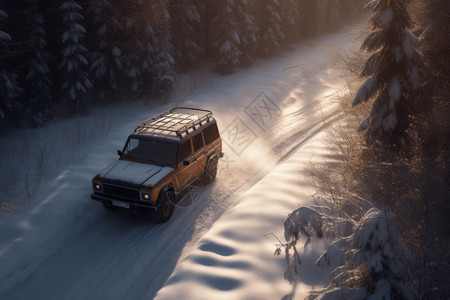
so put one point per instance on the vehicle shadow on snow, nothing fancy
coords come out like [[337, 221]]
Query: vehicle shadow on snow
[[179, 232], [123, 255], [164, 244]]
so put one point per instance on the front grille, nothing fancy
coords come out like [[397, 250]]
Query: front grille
[[119, 191]]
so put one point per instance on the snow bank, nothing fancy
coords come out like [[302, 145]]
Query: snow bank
[[235, 260]]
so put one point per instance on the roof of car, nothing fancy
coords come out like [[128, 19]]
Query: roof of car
[[175, 124]]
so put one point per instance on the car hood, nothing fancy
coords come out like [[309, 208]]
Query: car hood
[[134, 173]]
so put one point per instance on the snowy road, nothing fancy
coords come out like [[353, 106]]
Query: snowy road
[[119, 255]]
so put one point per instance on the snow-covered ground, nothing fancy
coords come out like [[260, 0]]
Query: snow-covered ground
[[235, 258], [63, 245]]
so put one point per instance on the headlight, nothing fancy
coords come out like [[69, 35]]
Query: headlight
[[146, 196], [97, 186]]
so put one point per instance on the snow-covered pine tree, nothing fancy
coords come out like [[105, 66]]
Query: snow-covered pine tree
[[245, 10], [132, 56], [226, 41], [310, 20], [163, 65], [330, 15], [291, 17], [9, 88], [73, 60], [148, 55], [39, 85], [105, 56], [374, 262], [185, 20], [372, 256], [271, 33], [392, 71], [139, 18]]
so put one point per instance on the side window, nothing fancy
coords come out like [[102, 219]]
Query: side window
[[197, 141], [132, 144], [185, 150], [211, 133]]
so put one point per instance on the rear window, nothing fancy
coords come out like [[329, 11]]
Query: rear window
[[211, 133], [197, 142], [185, 150]]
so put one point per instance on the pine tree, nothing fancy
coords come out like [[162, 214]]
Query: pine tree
[[226, 40], [136, 43], [105, 57], [185, 23], [330, 14], [271, 33], [39, 86], [73, 62], [245, 10], [310, 18], [291, 15], [139, 19], [163, 65], [372, 256], [148, 59], [393, 73], [9, 88]]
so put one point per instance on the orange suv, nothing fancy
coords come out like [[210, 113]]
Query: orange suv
[[160, 159]]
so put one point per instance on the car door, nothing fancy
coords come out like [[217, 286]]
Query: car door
[[187, 172], [199, 154]]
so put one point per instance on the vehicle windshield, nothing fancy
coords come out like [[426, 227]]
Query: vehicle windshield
[[151, 151]]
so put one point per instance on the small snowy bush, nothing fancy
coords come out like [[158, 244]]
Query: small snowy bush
[[373, 256]]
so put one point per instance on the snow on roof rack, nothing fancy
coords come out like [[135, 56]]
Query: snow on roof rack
[[175, 121]]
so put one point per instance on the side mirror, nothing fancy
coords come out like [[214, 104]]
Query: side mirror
[[119, 152], [185, 163]]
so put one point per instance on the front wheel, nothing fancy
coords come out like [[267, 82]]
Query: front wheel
[[164, 206]]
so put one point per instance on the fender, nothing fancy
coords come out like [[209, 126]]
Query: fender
[[210, 158]]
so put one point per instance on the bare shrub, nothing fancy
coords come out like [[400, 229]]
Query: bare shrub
[[29, 159]]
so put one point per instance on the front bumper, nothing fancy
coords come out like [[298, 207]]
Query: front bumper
[[104, 199]]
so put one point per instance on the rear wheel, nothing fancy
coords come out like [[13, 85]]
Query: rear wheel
[[164, 206], [211, 170]]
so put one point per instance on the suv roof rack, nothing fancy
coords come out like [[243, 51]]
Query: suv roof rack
[[175, 121]]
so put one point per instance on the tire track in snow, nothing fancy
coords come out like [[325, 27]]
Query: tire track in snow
[[304, 136]]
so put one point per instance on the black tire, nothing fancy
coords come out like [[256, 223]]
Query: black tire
[[211, 170], [164, 206]]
